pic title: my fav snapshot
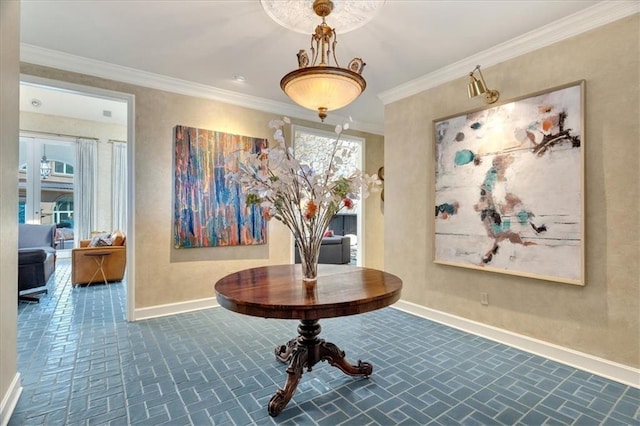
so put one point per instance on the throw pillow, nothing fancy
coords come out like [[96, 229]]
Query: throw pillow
[[103, 242], [100, 240], [328, 233]]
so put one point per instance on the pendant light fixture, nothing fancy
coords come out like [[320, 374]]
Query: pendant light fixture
[[45, 167], [319, 83]]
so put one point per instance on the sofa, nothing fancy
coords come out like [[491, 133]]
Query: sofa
[[335, 250], [100, 259], [36, 259]]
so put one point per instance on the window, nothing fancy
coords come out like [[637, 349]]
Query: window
[[316, 149], [22, 206], [63, 210], [61, 168]]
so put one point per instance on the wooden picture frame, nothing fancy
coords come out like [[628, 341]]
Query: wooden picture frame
[[509, 187]]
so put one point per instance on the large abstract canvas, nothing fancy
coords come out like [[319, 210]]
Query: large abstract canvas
[[210, 212], [509, 187]]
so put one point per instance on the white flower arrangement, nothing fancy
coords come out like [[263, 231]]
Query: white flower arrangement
[[302, 198]]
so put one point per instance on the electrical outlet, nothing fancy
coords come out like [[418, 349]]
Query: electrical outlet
[[484, 299]]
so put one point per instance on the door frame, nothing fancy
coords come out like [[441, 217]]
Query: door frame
[[361, 163], [129, 99]]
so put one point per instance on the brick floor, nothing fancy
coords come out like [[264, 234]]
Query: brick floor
[[83, 364]]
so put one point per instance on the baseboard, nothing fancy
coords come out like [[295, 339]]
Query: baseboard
[[174, 308], [611, 370], [10, 400]]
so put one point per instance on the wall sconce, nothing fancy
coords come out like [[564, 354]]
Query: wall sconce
[[381, 177], [479, 87]]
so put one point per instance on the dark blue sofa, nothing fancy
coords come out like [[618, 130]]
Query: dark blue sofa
[[36, 259]]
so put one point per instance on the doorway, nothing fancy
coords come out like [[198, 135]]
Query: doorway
[[60, 118], [46, 185], [315, 146]]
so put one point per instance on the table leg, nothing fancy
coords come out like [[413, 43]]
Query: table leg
[[304, 352], [99, 259], [335, 357]]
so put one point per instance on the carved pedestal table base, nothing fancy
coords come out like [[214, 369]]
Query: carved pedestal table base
[[305, 351], [277, 291]]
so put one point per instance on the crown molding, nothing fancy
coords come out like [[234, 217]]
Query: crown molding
[[595, 16], [73, 63]]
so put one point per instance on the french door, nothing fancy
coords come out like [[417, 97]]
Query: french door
[[45, 185]]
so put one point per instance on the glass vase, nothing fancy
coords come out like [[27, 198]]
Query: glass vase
[[309, 252]]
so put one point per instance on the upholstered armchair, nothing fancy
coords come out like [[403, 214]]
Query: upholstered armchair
[[99, 263]]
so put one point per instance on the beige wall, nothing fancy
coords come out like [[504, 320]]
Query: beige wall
[[601, 318], [164, 274], [9, 96], [374, 208], [104, 132]]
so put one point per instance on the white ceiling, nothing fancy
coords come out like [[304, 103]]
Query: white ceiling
[[208, 42], [43, 100]]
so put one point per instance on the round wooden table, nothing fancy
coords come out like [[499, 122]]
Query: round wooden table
[[279, 292]]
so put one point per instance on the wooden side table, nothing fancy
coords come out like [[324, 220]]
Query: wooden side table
[[98, 257], [279, 292]]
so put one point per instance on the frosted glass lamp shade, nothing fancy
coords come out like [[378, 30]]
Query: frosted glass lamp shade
[[323, 88]]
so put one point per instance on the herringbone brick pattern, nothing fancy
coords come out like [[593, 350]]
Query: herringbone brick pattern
[[82, 364]]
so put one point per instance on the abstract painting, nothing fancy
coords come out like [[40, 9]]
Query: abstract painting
[[209, 211], [509, 187]]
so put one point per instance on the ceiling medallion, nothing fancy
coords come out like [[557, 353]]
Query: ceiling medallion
[[347, 15], [319, 83]]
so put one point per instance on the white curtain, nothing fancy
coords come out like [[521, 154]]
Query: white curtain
[[119, 186], [84, 198]]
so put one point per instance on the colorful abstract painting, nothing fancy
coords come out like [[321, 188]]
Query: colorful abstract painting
[[509, 187], [210, 212]]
